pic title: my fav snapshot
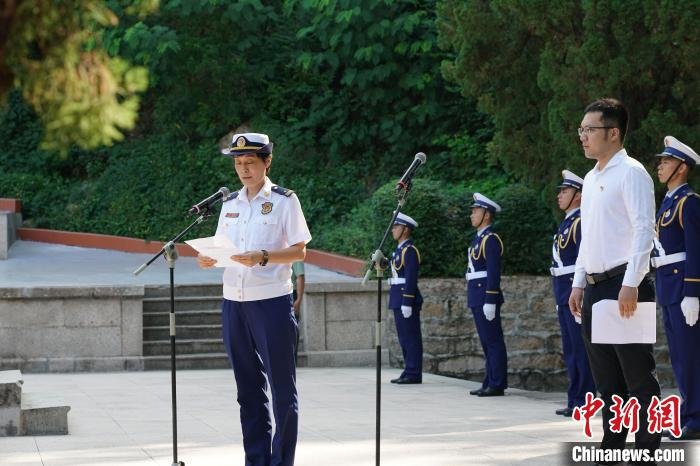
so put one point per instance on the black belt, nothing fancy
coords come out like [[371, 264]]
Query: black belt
[[593, 278]]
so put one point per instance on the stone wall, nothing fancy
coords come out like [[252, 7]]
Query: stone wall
[[64, 329], [530, 325], [339, 325], [9, 222]]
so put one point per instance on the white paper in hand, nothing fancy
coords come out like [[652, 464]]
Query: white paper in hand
[[607, 326], [217, 247]]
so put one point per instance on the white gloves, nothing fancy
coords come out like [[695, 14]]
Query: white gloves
[[577, 318], [490, 311], [689, 306], [406, 311]]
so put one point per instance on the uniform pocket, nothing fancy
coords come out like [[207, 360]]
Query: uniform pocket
[[266, 230]]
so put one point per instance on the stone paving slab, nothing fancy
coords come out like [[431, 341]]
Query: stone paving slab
[[124, 419]]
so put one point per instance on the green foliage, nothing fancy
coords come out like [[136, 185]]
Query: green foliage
[[534, 66], [81, 94], [444, 230]]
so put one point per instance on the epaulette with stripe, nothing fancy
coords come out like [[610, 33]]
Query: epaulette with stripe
[[283, 191]]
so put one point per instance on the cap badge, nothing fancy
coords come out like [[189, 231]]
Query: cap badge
[[266, 208], [240, 142]]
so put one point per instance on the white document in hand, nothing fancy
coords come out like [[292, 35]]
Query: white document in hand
[[217, 247], [608, 326]]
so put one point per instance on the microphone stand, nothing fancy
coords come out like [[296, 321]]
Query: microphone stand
[[170, 253], [379, 263]]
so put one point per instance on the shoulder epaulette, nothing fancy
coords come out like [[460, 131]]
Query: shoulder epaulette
[[682, 203], [231, 196], [283, 191], [497, 237], [410, 246]]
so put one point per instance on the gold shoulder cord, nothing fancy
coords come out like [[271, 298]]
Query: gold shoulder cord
[[679, 206], [561, 246]]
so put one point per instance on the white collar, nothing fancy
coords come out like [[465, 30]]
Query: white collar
[[264, 191], [401, 243], [572, 212], [614, 160], [480, 231]]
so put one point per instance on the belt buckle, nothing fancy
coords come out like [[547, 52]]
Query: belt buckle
[[589, 279]]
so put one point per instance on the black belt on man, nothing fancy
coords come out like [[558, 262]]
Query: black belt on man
[[593, 278]]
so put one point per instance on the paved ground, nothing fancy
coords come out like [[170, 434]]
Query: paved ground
[[124, 418], [43, 264]]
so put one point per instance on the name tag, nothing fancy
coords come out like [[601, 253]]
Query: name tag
[[232, 215]]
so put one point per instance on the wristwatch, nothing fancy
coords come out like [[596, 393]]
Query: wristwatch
[[266, 257]]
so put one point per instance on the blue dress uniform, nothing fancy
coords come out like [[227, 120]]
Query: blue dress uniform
[[259, 328], [484, 287], [404, 293], [564, 254], [676, 257]]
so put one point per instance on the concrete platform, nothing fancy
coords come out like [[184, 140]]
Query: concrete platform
[[124, 419], [32, 264]]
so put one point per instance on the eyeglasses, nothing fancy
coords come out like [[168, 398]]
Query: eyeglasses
[[588, 130]]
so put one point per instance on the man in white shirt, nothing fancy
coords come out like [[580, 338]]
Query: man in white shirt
[[617, 232]]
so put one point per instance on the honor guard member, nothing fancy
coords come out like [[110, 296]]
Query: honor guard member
[[265, 222], [564, 254], [484, 296], [676, 258], [405, 299]]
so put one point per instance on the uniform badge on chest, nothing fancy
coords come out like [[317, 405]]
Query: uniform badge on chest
[[668, 212], [266, 208], [565, 231]]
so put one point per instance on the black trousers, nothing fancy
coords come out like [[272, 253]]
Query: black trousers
[[623, 370]]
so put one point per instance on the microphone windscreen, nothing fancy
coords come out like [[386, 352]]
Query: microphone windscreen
[[421, 156]]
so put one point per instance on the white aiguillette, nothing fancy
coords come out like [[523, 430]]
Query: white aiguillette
[[609, 327], [217, 247]]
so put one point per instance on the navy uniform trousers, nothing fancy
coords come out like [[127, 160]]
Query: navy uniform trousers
[[623, 370], [683, 343], [411, 342], [260, 339], [575, 359], [494, 347]]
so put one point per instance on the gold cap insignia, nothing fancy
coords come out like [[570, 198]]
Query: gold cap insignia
[[266, 208], [240, 142]]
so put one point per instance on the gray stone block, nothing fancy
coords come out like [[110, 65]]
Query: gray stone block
[[352, 358], [10, 403], [43, 414]]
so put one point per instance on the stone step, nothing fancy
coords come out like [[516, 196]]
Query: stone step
[[208, 317], [185, 332], [162, 347], [10, 403], [183, 303], [156, 291], [43, 414], [188, 361]]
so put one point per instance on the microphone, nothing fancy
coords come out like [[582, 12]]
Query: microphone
[[406, 178], [206, 204]]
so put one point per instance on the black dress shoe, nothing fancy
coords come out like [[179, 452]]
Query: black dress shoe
[[491, 392], [407, 380], [566, 412], [688, 434], [476, 392], [396, 380]]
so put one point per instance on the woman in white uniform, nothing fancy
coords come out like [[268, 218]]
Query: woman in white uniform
[[265, 222]]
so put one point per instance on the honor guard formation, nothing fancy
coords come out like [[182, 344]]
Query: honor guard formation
[[603, 250]]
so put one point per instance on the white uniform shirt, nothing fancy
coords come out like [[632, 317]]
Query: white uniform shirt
[[269, 221], [617, 220]]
